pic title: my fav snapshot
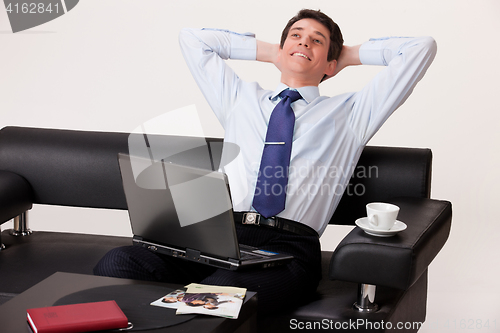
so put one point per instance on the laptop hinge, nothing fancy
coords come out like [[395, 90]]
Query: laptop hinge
[[193, 254], [234, 261]]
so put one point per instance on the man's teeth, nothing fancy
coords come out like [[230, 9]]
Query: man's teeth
[[301, 55]]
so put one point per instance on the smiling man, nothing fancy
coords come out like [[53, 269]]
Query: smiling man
[[308, 51], [297, 148]]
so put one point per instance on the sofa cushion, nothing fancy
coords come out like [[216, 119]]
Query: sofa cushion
[[27, 260]]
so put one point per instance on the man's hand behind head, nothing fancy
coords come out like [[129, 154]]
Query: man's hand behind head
[[349, 56]]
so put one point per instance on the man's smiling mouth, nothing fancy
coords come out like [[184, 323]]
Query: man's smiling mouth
[[301, 55]]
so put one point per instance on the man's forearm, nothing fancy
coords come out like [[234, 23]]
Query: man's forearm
[[267, 52], [348, 57]]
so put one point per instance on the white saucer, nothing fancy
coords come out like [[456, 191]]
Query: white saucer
[[365, 225]]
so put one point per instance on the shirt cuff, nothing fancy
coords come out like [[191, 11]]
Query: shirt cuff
[[243, 47], [372, 52]]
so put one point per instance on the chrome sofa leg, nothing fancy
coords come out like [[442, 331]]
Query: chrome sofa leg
[[366, 298], [21, 225], [1, 244]]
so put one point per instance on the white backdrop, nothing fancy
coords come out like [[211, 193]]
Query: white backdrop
[[112, 65]]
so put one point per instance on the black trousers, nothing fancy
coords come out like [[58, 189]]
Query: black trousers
[[278, 288]]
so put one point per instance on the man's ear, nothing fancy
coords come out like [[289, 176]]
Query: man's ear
[[277, 62], [278, 55], [330, 68]]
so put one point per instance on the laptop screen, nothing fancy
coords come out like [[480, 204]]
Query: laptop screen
[[179, 206]]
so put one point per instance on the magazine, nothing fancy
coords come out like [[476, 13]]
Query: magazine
[[205, 299], [171, 300]]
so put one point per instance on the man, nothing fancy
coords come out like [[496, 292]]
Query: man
[[326, 136]]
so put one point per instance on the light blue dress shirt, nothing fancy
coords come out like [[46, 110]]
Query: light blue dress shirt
[[330, 132]]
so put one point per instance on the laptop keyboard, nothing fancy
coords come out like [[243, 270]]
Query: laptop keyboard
[[247, 256]]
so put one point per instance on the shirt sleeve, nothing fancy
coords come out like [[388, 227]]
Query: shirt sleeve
[[407, 60], [205, 51]]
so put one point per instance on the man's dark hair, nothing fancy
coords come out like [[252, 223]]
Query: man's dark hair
[[336, 39]]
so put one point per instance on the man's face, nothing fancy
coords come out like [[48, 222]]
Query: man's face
[[304, 53]]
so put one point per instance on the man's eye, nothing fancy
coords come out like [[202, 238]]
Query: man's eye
[[295, 35], [317, 41]]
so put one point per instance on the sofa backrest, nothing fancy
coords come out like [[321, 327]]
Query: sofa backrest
[[383, 173], [80, 168]]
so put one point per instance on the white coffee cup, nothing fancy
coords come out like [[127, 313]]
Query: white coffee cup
[[382, 216]]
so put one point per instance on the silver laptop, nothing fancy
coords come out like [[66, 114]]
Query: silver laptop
[[186, 212]]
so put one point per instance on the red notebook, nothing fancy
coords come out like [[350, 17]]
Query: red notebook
[[74, 318]]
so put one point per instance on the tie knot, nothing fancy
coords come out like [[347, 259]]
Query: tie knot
[[292, 94]]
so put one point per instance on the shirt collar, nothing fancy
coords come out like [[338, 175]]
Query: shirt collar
[[308, 93]]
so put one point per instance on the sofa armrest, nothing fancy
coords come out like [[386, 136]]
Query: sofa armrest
[[16, 195], [396, 261]]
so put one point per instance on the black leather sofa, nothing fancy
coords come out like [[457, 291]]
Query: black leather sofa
[[79, 168]]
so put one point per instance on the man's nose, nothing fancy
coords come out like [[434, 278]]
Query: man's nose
[[303, 42]]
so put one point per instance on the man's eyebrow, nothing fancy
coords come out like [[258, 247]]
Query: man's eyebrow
[[297, 28], [316, 32], [319, 33]]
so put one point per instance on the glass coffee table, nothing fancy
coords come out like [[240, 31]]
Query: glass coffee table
[[62, 288]]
